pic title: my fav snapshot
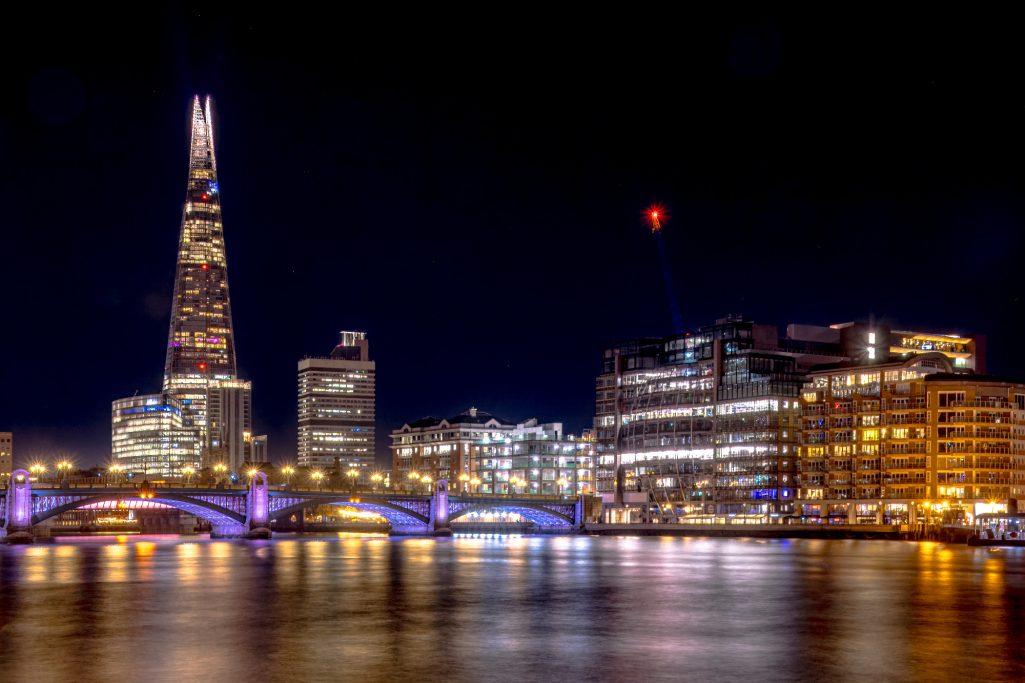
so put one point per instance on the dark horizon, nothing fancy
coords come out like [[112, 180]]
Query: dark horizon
[[478, 211]]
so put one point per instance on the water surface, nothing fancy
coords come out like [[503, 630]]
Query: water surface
[[164, 608]]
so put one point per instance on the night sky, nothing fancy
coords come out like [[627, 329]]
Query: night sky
[[468, 189]]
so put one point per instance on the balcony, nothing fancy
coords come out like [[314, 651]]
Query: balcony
[[982, 403]]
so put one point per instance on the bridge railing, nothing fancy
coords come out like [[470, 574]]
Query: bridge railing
[[342, 491]]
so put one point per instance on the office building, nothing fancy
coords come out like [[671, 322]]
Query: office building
[[149, 436], [200, 372], [258, 449], [6, 457], [201, 341], [230, 424], [337, 408], [704, 425]]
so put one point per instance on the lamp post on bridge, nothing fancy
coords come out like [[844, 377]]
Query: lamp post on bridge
[[288, 472], [38, 470], [562, 482], [188, 471], [475, 483], [317, 476], [220, 469], [427, 481], [413, 477], [63, 470], [464, 478], [375, 479], [352, 474]]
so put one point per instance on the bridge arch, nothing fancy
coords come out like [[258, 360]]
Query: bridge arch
[[538, 514], [396, 514], [213, 513]]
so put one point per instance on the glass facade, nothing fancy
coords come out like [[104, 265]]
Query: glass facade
[[700, 424], [199, 369], [148, 436], [201, 342]]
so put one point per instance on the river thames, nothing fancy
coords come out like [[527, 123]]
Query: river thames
[[163, 608]]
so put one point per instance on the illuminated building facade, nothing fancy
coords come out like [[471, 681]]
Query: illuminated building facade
[[704, 425], [481, 453], [535, 459], [199, 371], [149, 436], [6, 457], [258, 449], [443, 448], [201, 342], [337, 407], [906, 441], [230, 424]]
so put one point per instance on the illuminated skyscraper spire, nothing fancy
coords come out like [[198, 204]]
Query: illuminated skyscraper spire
[[201, 342]]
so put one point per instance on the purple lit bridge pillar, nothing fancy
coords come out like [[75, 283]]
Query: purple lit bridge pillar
[[258, 507], [438, 523], [18, 516]]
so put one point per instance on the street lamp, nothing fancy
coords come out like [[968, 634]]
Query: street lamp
[[427, 482], [252, 472], [475, 482], [376, 478], [413, 476], [115, 471], [352, 473], [288, 472], [63, 469], [188, 472], [37, 470], [317, 476], [464, 477], [220, 468]]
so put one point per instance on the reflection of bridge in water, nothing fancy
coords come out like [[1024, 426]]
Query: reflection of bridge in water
[[249, 511]]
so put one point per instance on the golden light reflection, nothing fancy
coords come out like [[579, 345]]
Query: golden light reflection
[[37, 567], [116, 561]]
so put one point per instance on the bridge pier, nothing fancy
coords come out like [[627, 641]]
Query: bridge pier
[[258, 508], [438, 523], [18, 516]]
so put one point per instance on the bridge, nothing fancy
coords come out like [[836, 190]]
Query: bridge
[[247, 512]]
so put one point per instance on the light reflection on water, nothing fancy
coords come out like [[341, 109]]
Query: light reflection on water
[[509, 608]]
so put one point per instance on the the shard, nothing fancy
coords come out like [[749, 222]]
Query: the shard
[[201, 342]]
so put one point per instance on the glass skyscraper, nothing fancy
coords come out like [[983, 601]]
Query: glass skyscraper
[[201, 342], [164, 433]]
